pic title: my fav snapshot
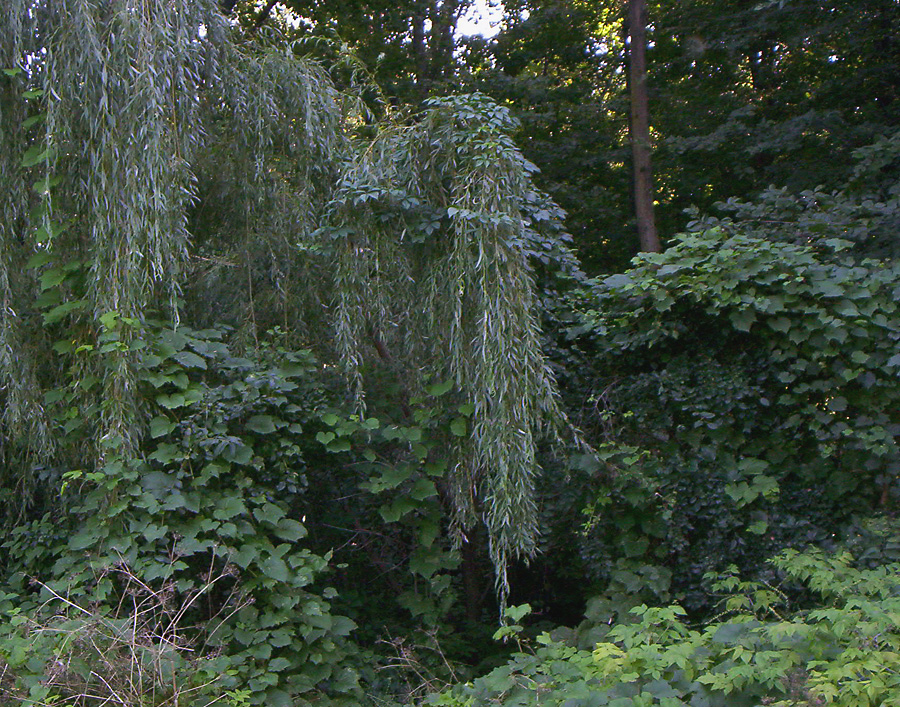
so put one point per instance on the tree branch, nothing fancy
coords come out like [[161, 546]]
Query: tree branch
[[264, 14]]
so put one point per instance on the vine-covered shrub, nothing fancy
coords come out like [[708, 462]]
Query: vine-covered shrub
[[208, 520], [751, 403], [842, 652]]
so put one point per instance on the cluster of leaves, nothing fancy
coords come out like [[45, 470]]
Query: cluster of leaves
[[751, 403], [209, 515], [865, 210], [401, 467], [841, 652]]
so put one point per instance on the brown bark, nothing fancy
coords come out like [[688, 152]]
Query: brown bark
[[420, 51], [444, 19], [640, 126]]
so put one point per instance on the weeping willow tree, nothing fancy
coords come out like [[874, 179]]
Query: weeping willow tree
[[22, 415], [201, 173], [431, 268]]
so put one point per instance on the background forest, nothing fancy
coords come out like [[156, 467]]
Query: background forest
[[348, 360]]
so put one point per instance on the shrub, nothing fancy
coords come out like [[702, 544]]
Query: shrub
[[844, 652]]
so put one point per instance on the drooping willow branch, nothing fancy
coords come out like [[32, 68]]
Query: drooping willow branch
[[172, 138], [433, 249]]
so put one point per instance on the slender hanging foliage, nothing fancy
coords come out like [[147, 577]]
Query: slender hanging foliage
[[431, 268], [191, 163], [23, 427]]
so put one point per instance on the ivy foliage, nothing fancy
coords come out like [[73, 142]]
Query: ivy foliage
[[828, 327], [209, 517]]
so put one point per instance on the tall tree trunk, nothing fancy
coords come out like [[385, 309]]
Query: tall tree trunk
[[420, 51], [640, 126], [443, 23]]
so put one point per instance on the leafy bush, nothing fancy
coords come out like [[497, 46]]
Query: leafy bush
[[750, 403], [140, 652], [845, 651], [209, 516]]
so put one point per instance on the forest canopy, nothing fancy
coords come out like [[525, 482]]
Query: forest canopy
[[326, 345]]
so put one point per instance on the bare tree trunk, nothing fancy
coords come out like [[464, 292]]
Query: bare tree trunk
[[640, 126], [444, 19], [420, 55]]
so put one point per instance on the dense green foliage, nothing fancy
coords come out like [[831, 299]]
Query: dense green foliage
[[769, 368], [303, 382], [201, 521], [842, 652]]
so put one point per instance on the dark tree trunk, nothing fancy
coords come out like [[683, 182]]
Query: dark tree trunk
[[472, 573], [640, 126], [444, 19], [264, 14], [420, 51]]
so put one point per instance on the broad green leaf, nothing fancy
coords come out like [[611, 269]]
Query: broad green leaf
[[438, 468], [290, 530], [63, 310], [278, 698], [268, 513], [39, 259], [439, 389], [33, 120], [339, 445], [780, 324], [189, 360], [743, 319], [171, 402], [277, 665], [422, 489], [392, 477], [393, 512], [193, 546], [166, 453], [466, 409], [261, 424], [229, 507], [160, 426], [275, 568], [85, 539], [412, 434], [34, 155], [245, 556], [837, 404], [758, 528], [325, 437], [52, 278], [238, 453]]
